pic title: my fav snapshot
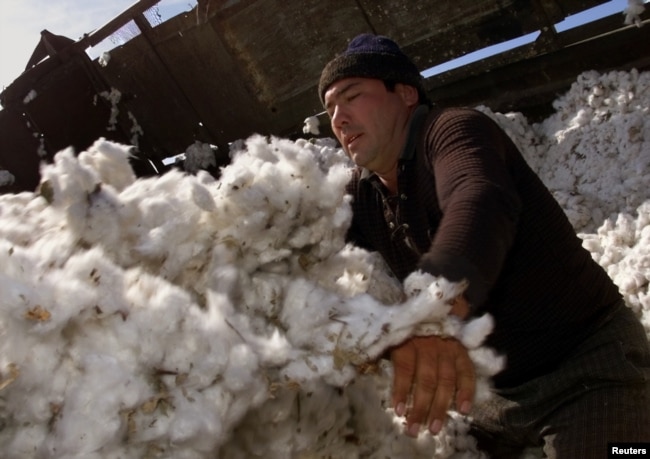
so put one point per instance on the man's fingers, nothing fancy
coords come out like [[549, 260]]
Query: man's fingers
[[425, 388], [432, 373], [465, 383], [404, 359], [444, 392]]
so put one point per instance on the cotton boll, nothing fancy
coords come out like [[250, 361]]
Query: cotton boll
[[306, 308], [332, 369], [352, 271], [582, 118], [329, 155], [153, 300], [97, 280], [178, 264], [358, 329], [199, 156], [274, 350], [25, 395], [6, 178], [321, 425], [239, 404], [90, 416], [437, 287], [242, 363], [164, 230], [451, 327], [387, 326], [306, 422], [301, 237], [476, 330], [261, 434], [66, 181], [21, 443], [591, 243], [223, 277], [631, 282], [193, 425], [101, 225], [149, 423], [379, 431], [487, 361], [311, 124], [76, 189], [21, 217], [202, 197], [110, 161], [27, 355]]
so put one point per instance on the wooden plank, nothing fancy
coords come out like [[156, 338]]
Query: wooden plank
[[114, 24], [213, 82], [280, 48], [435, 32], [19, 151], [66, 109], [147, 93]]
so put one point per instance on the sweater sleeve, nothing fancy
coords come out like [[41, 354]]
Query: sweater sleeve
[[468, 154]]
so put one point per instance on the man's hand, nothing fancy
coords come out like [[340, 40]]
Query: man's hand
[[431, 375]]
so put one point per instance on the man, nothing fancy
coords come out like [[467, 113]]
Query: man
[[447, 192]]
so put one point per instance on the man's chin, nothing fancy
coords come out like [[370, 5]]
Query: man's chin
[[357, 159]]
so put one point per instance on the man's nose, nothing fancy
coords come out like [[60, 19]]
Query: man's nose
[[340, 117]]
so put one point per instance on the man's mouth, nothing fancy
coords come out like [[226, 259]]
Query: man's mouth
[[352, 139]]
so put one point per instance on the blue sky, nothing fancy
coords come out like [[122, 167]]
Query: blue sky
[[606, 9], [21, 22]]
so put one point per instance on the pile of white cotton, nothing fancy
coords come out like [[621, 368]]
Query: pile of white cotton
[[594, 155], [181, 316], [187, 317]]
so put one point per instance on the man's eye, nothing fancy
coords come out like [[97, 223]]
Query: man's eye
[[352, 96]]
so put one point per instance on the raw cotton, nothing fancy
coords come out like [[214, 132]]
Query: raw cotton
[[153, 317], [593, 154]]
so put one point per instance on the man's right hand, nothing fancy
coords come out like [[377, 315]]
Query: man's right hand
[[432, 374]]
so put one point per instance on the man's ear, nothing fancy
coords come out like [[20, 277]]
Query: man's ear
[[408, 93]]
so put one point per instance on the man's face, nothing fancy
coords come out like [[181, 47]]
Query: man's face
[[370, 121]]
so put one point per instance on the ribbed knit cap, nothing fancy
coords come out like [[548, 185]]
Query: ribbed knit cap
[[371, 56]]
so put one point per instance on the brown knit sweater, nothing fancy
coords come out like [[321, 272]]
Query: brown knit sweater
[[470, 207]]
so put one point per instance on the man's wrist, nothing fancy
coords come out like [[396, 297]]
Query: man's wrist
[[460, 307]]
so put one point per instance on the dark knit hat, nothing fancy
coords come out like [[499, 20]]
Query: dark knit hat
[[371, 56]]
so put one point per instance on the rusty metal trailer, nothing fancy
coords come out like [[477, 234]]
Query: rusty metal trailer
[[231, 68]]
